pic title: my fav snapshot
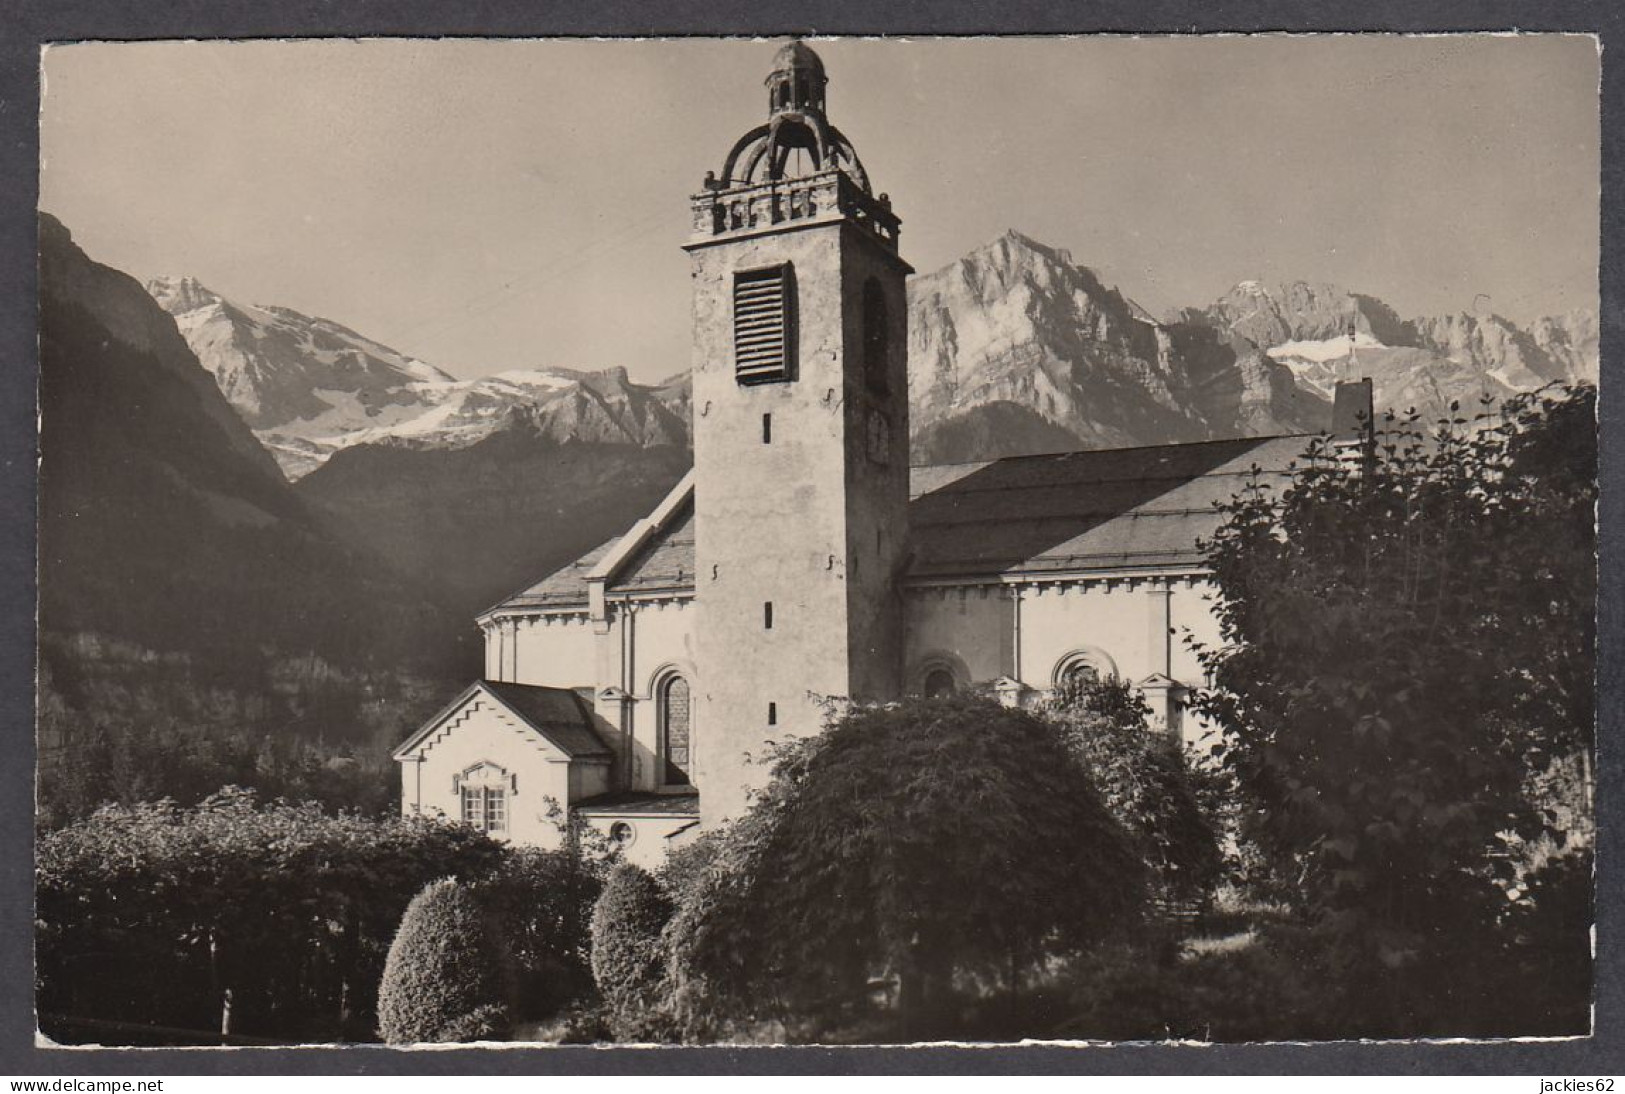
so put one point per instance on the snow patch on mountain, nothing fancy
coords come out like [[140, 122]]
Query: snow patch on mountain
[[1321, 350], [1320, 363]]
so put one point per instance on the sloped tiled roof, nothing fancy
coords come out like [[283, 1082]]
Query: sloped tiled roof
[[563, 588], [1112, 509], [626, 804], [666, 561], [556, 713]]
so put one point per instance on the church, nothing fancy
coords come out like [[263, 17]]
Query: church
[[803, 560]]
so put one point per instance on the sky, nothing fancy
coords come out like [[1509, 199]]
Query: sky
[[487, 205]]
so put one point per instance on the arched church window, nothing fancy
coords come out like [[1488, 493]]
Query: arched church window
[[676, 730], [1085, 665], [875, 334], [939, 684], [1079, 673]]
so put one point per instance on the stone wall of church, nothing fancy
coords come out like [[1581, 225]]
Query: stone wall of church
[[1132, 628], [645, 645], [1193, 616], [559, 651], [1113, 622], [968, 630], [652, 838]]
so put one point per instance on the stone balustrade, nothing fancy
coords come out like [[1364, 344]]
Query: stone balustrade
[[721, 211]]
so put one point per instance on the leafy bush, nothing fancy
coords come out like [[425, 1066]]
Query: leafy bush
[[153, 913], [628, 955], [444, 978], [490, 1022], [684, 873], [1143, 779], [543, 902], [919, 852]]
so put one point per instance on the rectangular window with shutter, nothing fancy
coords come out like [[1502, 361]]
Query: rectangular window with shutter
[[764, 325]]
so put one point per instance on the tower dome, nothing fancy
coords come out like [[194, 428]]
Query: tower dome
[[797, 55], [797, 139], [797, 80]]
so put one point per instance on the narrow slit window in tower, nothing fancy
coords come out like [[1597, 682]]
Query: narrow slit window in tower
[[767, 429], [875, 331], [772, 714], [767, 615]]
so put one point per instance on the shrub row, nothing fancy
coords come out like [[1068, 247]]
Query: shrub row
[[158, 914]]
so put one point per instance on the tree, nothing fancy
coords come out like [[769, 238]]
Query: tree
[[628, 954], [1143, 779], [1410, 640], [938, 845], [444, 979]]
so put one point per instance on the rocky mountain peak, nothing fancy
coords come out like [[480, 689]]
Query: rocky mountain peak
[[1014, 259], [1014, 242], [1491, 345], [1017, 336], [1268, 315], [1570, 341], [178, 295], [608, 381]]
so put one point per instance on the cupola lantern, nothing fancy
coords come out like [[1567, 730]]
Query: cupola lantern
[[798, 139], [796, 84]]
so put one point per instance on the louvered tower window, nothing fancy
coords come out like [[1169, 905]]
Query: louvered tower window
[[764, 325]]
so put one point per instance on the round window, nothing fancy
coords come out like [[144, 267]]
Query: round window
[[622, 834]]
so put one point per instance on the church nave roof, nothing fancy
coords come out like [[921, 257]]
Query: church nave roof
[[1106, 509]]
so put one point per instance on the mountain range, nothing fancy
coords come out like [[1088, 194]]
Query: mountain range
[[309, 387], [1014, 348], [163, 521]]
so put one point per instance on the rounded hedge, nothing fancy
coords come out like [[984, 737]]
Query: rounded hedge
[[445, 978], [925, 844], [628, 957]]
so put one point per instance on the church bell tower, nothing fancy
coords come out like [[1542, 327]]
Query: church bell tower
[[800, 437]]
